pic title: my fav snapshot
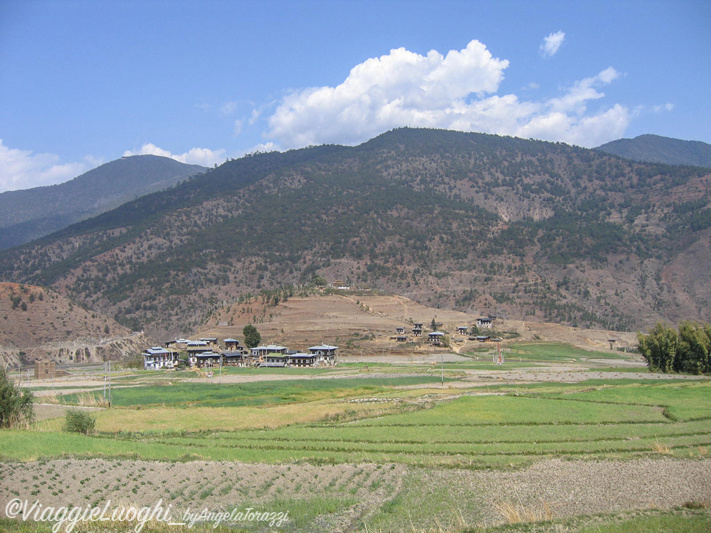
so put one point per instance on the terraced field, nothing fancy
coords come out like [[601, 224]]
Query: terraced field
[[391, 448]]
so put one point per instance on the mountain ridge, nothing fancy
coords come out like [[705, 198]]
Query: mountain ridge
[[24, 213], [657, 149], [530, 229]]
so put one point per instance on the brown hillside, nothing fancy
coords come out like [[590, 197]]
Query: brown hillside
[[36, 323], [365, 323]]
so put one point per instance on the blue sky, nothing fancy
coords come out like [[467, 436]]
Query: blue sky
[[84, 82]]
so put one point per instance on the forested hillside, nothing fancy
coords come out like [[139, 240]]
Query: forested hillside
[[657, 149], [477, 222], [32, 213]]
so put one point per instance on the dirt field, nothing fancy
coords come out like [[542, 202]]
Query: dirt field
[[301, 322], [565, 488]]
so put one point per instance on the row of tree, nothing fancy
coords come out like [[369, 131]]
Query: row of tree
[[687, 350]]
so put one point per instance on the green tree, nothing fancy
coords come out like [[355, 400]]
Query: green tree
[[693, 348], [688, 350], [659, 348], [252, 337], [319, 281], [15, 405]]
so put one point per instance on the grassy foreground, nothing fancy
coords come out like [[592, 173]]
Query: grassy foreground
[[585, 420], [401, 417]]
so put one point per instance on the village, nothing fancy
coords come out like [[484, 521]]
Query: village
[[209, 352]]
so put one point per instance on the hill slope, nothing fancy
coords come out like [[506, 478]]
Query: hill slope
[[656, 149], [32, 213], [480, 223], [36, 324]]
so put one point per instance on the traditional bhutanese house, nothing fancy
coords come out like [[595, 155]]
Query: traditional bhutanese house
[[259, 353], [207, 359], [211, 341], [157, 358], [435, 338], [233, 358], [197, 346], [177, 343], [484, 322], [483, 338], [400, 330], [231, 344], [263, 351], [302, 359], [401, 338], [275, 359], [417, 330], [463, 330], [194, 348], [324, 353]]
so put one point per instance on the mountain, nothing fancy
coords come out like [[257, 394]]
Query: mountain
[[38, 324], [32, 213], [656, 149], [480, 223]]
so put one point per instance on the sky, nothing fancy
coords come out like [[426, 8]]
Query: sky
[[84, 82]]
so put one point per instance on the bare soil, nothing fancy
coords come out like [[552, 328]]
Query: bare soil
[[369, 322], [562, 488]]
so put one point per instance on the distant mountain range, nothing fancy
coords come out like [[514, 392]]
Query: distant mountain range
[[479, 223], [32, 213], [656, 149]]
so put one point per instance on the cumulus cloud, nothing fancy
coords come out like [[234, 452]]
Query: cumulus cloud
[[194, 156], [454, 91], [23, 169], [399, 88], [552, 43]]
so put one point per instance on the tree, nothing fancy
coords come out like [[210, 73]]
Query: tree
[[694, 347], [688, 350], [15, 405], [252, 337], [659, 348]]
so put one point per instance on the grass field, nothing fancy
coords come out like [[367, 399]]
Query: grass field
[[399, 415], [254, 394], [313, 421]]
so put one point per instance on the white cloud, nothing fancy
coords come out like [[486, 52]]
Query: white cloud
[[552, 43], [22, 169], [228, 108], [582, 91], [456, 91], [263, 147], [662, 108], [194, 156], [400, 88]]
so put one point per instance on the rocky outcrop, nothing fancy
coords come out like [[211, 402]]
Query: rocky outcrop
[[85, 350]]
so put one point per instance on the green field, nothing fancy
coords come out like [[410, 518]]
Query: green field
[[256, 393], [401, 415], [590, 419]]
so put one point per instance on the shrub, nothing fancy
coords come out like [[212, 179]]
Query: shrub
[[78, 421], [15, 405]]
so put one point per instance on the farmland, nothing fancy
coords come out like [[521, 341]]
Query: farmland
[[556, 433]]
